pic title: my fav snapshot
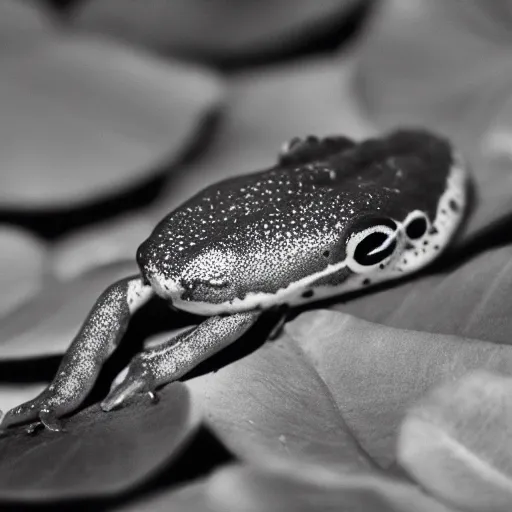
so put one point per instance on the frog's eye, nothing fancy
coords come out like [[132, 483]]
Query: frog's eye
[[370, 247], [416, 225]]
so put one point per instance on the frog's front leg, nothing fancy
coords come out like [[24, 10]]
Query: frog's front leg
[[96, 340], [176, 357]]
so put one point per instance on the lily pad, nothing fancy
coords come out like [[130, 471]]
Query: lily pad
[[457, 442], [375, 372], [273, 402], [471, 300], [46, 324], [101, 454], [215, 29], [24, 265], [93, 118]]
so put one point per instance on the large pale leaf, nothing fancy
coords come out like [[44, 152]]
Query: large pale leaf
[[217, 29], [457, 442], [303, 489], [375, 373], [84, 118], [46, 324], [273, 401], [24, 262], [292, 487], [471, 300], [100, 454]]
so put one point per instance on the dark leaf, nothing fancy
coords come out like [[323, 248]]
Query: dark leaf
[[100, 454]]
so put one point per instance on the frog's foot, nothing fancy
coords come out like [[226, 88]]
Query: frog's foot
[[40, 409], [169, 361], [82, 362], [301, 151]]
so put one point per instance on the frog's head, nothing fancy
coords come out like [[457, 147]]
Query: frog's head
[[248, 269], [291, 235]]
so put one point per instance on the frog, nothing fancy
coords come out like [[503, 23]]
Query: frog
[[330, 216]]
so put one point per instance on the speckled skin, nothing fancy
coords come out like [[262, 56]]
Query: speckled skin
[[330, 217]]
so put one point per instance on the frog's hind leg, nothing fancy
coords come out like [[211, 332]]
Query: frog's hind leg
[[302, 151], [82, 362], [171, 360]]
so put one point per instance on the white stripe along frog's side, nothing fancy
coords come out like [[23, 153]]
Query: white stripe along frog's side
[[332, 216]]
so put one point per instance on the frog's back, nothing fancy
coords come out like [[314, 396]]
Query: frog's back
[[387, 177]]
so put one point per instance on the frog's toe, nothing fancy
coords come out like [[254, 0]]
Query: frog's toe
[[130, 382], [21, 414], [38, 411], [50, 421]]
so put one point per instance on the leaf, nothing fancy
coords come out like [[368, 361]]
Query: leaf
[[471, 300], [93, 118], [187, 498], [375, 373], [457, 442], [273, 402], [101, 454], [458, 82], [303, 489], [47, 324], [103, 244], [24, 264], [217, 29], [292, 486]]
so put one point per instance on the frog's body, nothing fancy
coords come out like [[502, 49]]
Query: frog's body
[[332, 216]]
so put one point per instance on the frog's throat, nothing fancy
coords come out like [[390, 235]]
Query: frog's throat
[[443, 228]]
